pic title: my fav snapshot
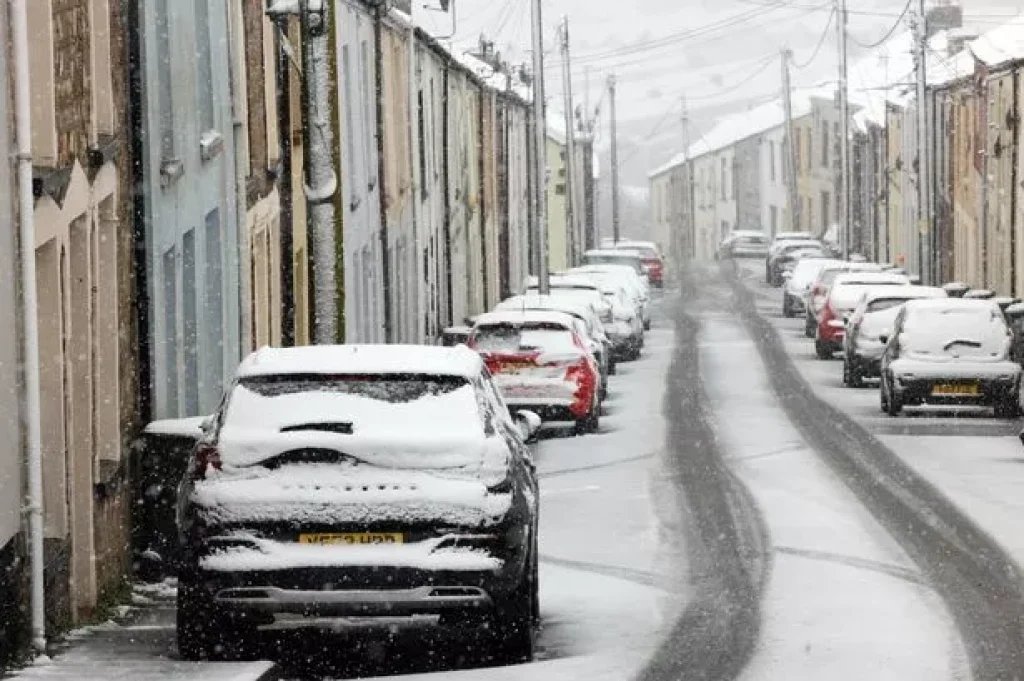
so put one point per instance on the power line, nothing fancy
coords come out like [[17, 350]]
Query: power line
[[889, 33], [821, 42]]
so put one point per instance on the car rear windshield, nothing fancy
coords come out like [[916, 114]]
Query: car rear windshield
[[612, 259], [880, 304], [979, 332], [515, 338], [387, 388]]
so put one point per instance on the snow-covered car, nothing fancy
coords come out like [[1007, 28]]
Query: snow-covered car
[[777, 242], [779, 256], [637, 286], [359, 483], [818, 293], [873, 318], [612, 256], [584, 289], [600, 344], [798, 283], [744, 243], [628, 330], [650, 257], [539, 362], [950, 351], [842, 299]]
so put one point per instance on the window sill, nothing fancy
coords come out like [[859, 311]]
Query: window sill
[[211, 145]]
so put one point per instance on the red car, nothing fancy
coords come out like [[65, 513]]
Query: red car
[[540, 363], [651, 258], [842, 300]]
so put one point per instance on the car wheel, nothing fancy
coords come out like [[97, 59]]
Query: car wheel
[[202, 635], [647, 325], [822, 350], [589, 423], [846, 373], [787, 308], [612, 367], [893, 404], [856, 377], [809, 326], [1007, 409], [883, 399], [512, 623]]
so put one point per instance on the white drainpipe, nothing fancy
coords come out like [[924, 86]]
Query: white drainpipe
[[27, 236]]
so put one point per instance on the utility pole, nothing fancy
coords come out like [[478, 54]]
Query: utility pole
[[844, 138], [614, 161], [540, 228], [788, 146], [571, 226], [687, 221], [321, 182], [924, 204]]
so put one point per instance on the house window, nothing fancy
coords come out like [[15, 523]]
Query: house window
[[723, 187], [809, 156], [165, 104], [771, 160], [826, 209], [170, 345], [213, 303], [189, 324], [774, 216]]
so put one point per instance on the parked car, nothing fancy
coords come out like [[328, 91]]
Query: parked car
[[950, 351], [777, 242], [789, 259], [540, 363], [303, 498], [744, 244], [778, 256], [584, 289], [873, 318], [818, 292], [798, 283], [842, 298], [600, 344], [611, 256], [650, 257], [628, 335], [635, 285]]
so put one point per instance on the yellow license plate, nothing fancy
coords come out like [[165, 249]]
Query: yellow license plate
[[956, 389], [353, 538]]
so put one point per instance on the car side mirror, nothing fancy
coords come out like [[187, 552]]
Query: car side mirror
[[529, 424]]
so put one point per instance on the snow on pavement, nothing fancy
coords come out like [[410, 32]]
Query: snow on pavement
[[843, 601]]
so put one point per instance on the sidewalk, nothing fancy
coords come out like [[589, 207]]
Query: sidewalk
[[136, 645]]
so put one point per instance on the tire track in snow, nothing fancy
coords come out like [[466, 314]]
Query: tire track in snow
[[979, 581], [715, 635]]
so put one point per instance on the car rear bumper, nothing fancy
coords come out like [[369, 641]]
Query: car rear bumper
[[989, 391], [868, 367]]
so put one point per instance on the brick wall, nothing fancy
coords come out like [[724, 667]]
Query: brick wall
[[71, 78]]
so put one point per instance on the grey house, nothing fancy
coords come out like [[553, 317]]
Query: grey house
[[188, 202]]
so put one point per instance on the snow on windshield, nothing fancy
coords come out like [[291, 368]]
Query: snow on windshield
[[956, 331], [508, 338]]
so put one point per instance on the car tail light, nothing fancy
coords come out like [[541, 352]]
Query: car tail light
[[207, 457], [581, 374]]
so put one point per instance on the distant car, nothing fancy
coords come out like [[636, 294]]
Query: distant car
[[600, 344], [818, 293], [635, 284], [650, 257], [779, 240], [950, 351], [361, 483], [798, 284], [788, 260], [611, 256], [744, 244], [873, 318], [778, 257], [585, 289], [842, 298], [540, 363]]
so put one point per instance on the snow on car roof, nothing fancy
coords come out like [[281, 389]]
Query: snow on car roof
[[612, 251], [517, 317], [565, 281], [362, 360], [952, 304], [869, 278], [536, 301], [873, 294]]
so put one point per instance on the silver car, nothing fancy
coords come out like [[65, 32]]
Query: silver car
[[950, 352]]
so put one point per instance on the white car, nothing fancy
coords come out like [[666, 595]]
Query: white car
[[950, 351], [636, 286], [873, 318], [610, 256], [797, 283]]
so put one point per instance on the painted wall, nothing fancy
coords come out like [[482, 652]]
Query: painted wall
[[558, 238], [190, 216]]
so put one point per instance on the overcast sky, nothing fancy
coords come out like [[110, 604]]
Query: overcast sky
[[721, 54]]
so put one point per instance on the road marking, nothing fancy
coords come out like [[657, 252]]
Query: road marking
[[897, 571]]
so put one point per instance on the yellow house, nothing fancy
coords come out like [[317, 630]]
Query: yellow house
[[558, 241]]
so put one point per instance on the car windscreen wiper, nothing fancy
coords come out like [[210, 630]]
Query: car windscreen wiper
[[961, 341]]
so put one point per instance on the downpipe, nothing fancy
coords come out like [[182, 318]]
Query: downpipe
[[27, 240]]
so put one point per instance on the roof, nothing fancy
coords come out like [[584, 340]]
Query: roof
[[1002, 44], [362, 360], [520, 317]]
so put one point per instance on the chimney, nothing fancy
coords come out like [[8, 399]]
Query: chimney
[[945, 15]]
